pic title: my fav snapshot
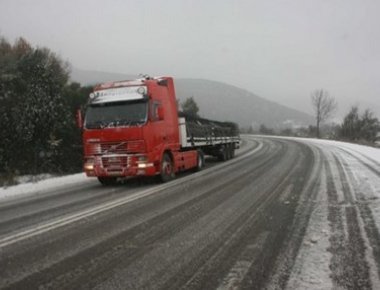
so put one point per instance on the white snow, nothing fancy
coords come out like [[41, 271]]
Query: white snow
[[361, 151], [361, 167], [311, 269], [55, 183]]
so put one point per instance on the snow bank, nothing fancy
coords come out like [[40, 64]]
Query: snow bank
[[359, 151], [55, 183]]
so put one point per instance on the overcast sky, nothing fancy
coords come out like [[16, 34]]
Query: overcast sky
[[280, 50]]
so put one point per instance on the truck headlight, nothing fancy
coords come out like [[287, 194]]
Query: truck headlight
[[144, 165], [89, 164], [143, 162]]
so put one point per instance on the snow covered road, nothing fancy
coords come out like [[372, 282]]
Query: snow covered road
[[341, 244], [286, 213]]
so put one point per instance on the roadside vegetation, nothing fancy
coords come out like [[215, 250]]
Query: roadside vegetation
[[37, 107], [362, 128]]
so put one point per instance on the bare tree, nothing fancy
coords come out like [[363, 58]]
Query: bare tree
[[324, 106]]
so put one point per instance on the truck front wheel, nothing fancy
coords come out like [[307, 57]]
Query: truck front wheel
[[167, 168], [200, 161]]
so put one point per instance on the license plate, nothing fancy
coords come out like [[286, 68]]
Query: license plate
[[114, 172], [113, 159]]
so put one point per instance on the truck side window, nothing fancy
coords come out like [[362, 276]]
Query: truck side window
[[154, 111]]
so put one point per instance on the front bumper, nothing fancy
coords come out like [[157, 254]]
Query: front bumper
[[119, 166]]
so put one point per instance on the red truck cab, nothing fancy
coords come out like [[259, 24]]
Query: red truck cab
[[131, 128]]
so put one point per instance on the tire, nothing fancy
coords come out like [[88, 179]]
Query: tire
[[200, 161], [223, 153], [232, 150], [107, 181], [167, 168], [229, 151]]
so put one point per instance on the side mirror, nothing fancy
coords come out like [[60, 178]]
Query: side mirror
[[160, 113], [79, 119]]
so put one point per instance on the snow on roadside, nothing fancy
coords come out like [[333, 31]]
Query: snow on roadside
[[361, 166], [357, 158], [359, 151], [42, 183], [311, 269], [32, 178], [55, 183]]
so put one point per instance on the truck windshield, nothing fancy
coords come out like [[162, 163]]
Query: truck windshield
[[116, 114]]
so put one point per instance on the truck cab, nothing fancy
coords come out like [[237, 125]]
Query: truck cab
[[128, 127], [133, 128]]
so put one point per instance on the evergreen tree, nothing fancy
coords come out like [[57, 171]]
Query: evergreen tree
[[71, 153], [190, 107], [369, 126], [350, 126], [355, 127], [33, 110]]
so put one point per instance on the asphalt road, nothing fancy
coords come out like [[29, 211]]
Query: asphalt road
[[240, 224]]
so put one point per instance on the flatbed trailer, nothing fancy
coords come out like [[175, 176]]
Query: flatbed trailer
[[133, 128]]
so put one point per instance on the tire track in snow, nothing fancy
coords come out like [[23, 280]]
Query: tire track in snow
[[311, 269], [348, 264], [245, 261], [288, 255], [368, 221], [348, 195], [369, 166]]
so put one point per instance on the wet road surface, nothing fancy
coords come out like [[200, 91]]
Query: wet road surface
[[252, 222]]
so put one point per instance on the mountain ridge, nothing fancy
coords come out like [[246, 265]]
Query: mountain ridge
[[217, 100]]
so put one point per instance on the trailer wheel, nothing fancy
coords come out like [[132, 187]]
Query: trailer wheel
[[107, 181], [229, 151], [200, 161], [223, 155], [167, 168], [232, 150]]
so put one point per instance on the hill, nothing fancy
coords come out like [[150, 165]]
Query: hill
[[221, 101], [218, 101]]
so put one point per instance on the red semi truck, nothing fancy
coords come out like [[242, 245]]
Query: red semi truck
[[133, 128]]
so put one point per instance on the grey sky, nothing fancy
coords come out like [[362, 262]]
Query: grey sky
[[280, 50]]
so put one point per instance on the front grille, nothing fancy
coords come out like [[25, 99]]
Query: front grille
[[115, 161], [120, 147], [117, 147]]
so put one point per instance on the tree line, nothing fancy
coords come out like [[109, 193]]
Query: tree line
[[356, 127], [37, 106]]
